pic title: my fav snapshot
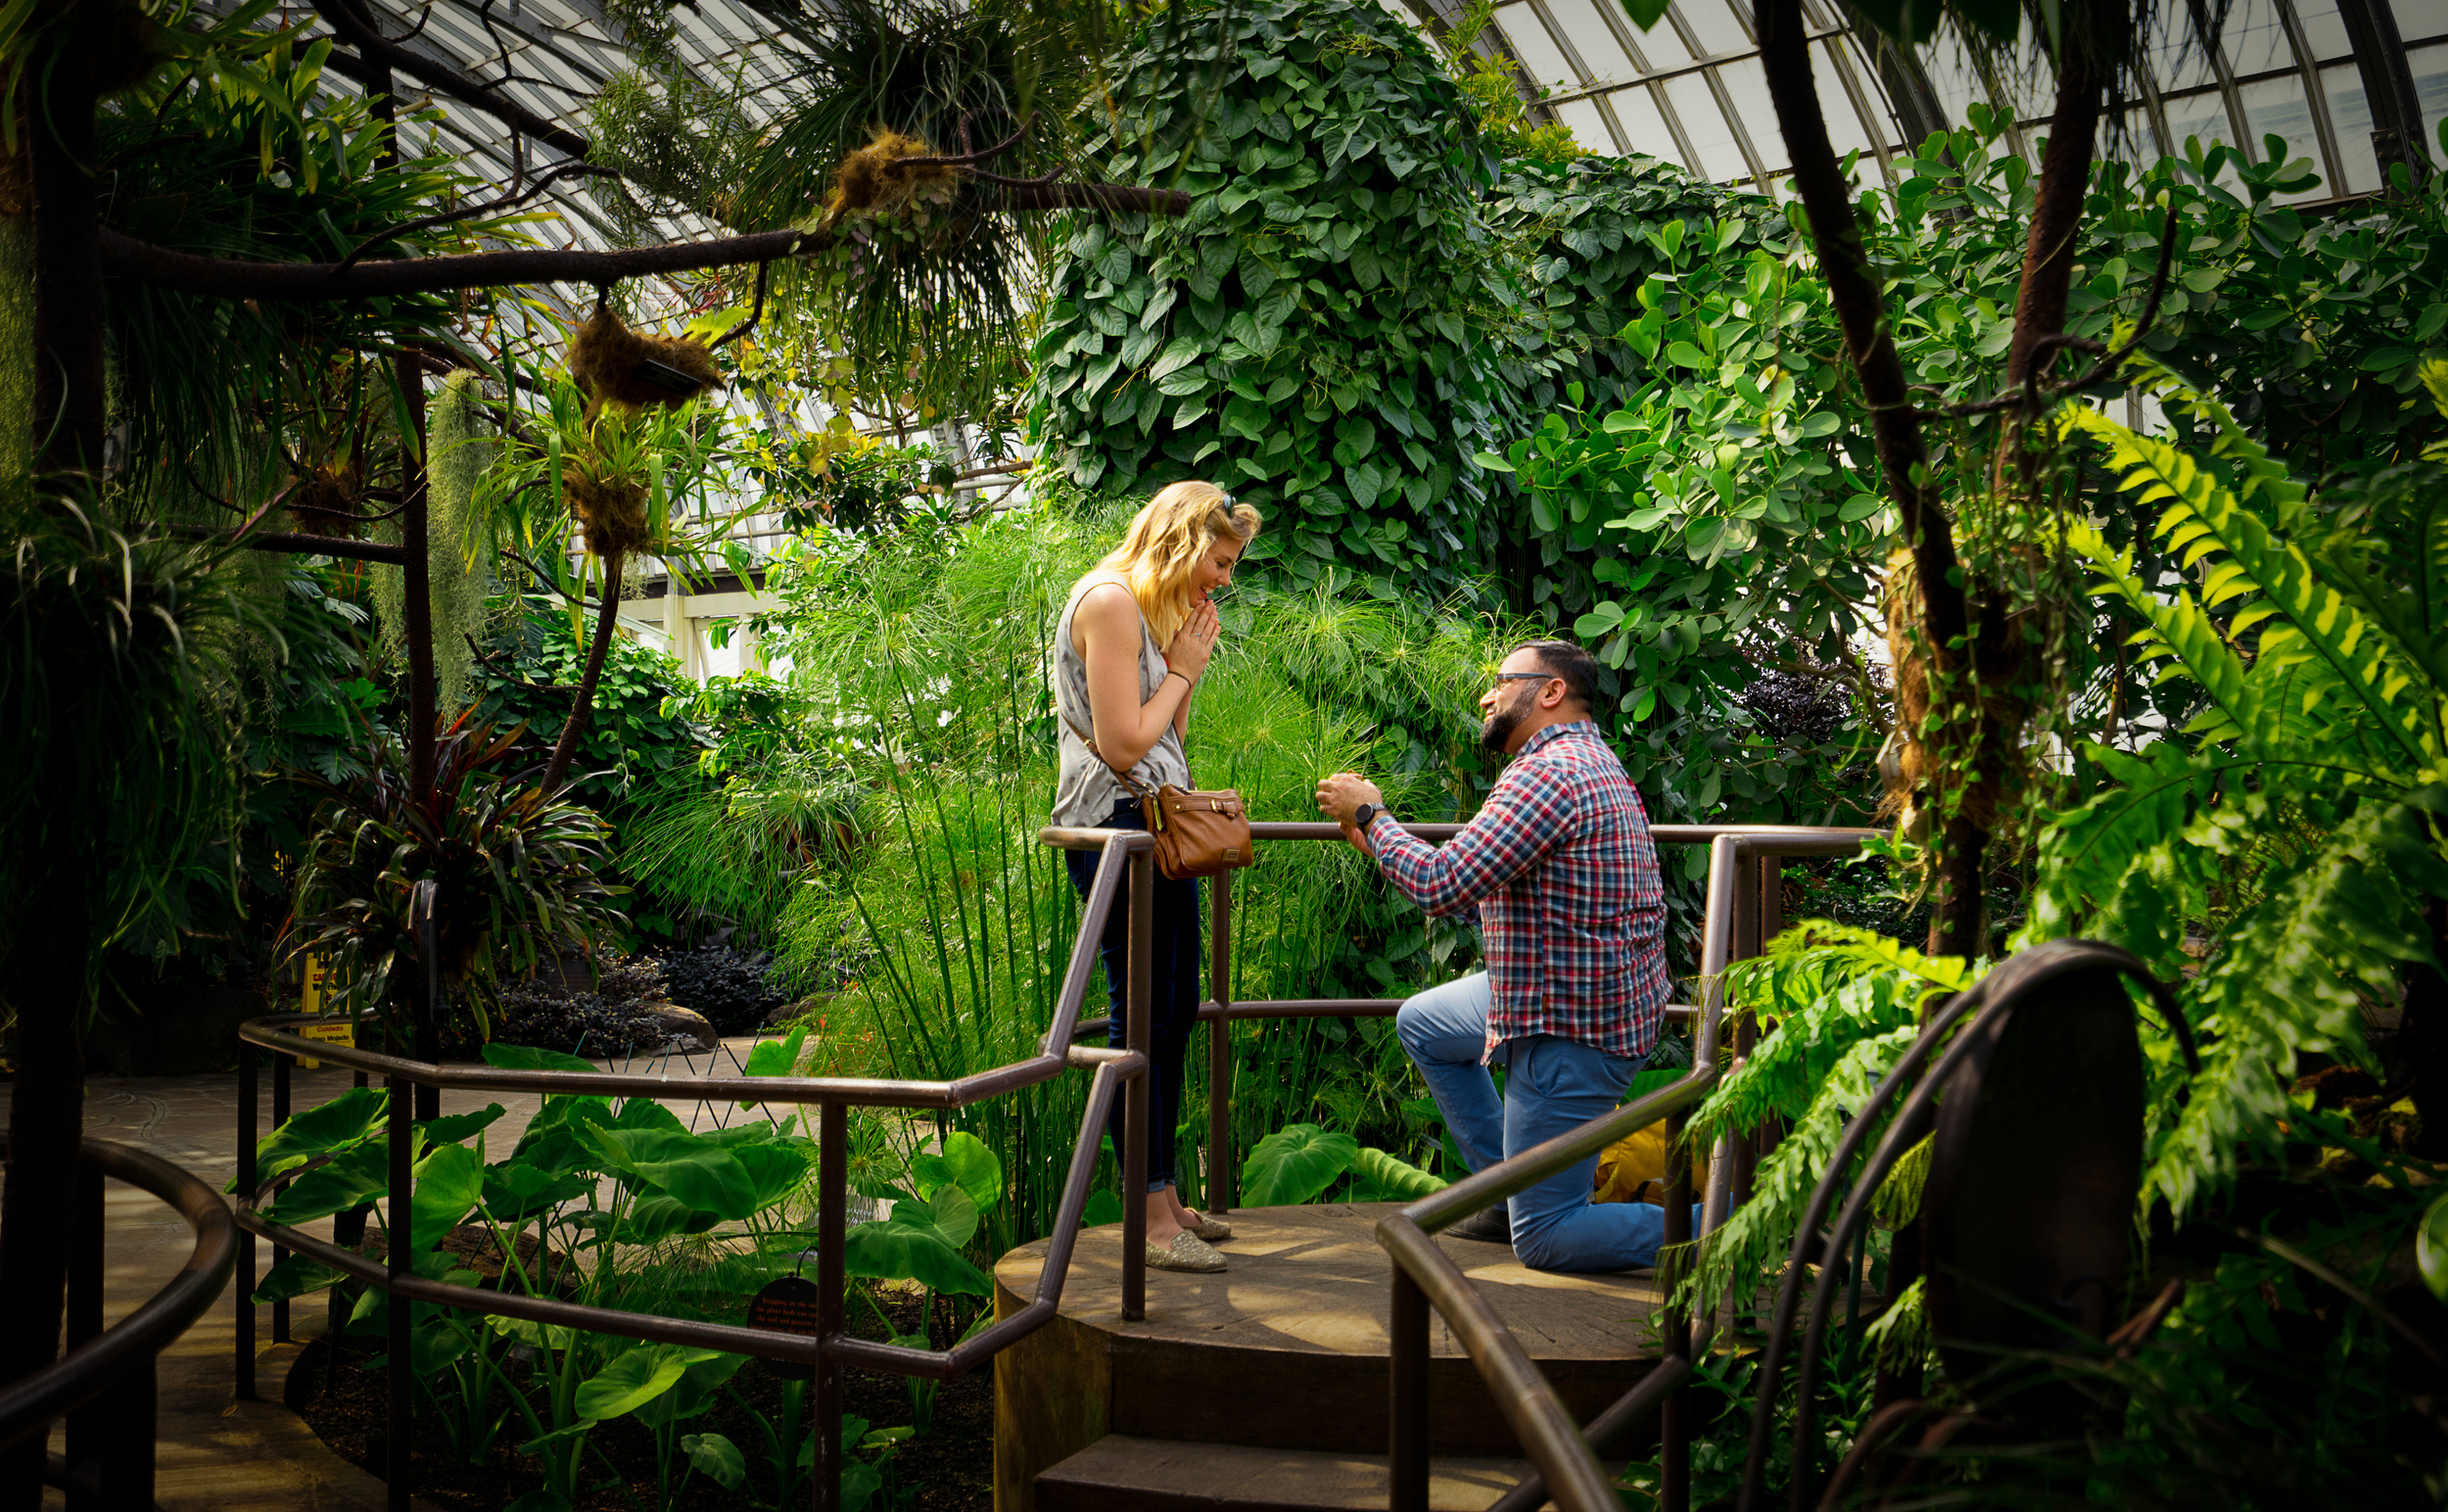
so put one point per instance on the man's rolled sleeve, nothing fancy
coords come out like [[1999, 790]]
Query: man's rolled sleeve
[[1516, 827]]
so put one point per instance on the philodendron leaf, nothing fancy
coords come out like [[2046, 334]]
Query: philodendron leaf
[[964, 1161], [776, 1058], [346, 1120], [633, 1380], [702, 1376], [908, 1247], [715, 1458], [659, 1217], [1293, 1165], [449, 1182]]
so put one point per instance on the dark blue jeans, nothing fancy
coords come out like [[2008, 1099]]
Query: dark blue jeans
[[1172, 994]]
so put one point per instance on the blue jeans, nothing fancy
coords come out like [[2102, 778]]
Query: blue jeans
[[1552, 1086], [1173, 993]]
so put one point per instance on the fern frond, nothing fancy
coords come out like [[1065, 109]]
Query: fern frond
[[2289, 978], [1755, 1235], [1827, 986], [2313, 618], [2177, 631]]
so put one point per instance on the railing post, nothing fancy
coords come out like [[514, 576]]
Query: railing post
[[89, 1427], [282, 1061], [1407, 1405], [832, 1167], [243, 1293], [1674, 1430], [1220, 1186], [1135, 1099], [399, 1249], [130, 1407]]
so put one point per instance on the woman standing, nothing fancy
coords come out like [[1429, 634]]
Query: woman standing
[[1132, 644]]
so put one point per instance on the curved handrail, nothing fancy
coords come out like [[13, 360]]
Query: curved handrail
[[31, 1404], [1568, 1469]]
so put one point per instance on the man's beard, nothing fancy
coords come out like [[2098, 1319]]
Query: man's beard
[[1497, 732]]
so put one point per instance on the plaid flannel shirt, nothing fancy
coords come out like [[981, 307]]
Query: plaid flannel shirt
[[1572, 912]]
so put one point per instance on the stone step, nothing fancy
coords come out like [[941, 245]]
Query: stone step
[[1287, 1349], [1125, 1473]]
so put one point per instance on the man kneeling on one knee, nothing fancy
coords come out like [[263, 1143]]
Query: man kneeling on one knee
[[1572, 920]]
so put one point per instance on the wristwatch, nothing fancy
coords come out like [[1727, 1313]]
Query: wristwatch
[[1361, 816]]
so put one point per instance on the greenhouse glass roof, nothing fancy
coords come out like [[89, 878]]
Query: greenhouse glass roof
[[1688, 91]]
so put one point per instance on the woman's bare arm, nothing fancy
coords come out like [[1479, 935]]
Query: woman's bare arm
[[1108, 625]]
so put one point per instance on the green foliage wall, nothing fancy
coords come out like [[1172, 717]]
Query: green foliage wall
[[1361, 300], [1323, 324]]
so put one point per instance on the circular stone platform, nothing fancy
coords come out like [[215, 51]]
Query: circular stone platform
[[1287, 1349]]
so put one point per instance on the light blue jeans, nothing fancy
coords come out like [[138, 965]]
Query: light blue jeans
[[1552, 1086]]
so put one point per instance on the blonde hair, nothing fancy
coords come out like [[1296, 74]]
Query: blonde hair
[[1163, 544]]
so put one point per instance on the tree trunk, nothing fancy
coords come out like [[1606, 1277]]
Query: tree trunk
[[2064, 183], [565, 750], [50, 992]]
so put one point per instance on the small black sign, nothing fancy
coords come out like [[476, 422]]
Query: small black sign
[[787, 1306]]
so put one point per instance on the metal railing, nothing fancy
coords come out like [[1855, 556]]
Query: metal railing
[[829, 1350], [105, 1384]]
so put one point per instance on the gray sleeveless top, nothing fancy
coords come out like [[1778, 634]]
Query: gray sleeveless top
[[1085, 789]]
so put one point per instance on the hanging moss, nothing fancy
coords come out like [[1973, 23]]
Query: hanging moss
[[455, 454], [457, 588]]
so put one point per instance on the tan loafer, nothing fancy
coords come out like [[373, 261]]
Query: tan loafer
[[1211, 1229], [1188, 1252]]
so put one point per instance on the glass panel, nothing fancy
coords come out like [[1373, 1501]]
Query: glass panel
[[1713, 22], [2277, 106], [1747, 85], [2202, 115], [2430, 85], [1845, 127], [2178, 61], [1589, 129], [1642, 126], [1661, 44], [1591, 38], [1720, 159], [2323, 31], [2256, 40], [1538, 51], [2350, 121], [1952, 76]]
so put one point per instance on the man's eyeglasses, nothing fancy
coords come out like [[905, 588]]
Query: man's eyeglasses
[[1515, 677]]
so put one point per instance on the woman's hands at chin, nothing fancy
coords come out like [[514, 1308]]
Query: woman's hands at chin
[[1194, 641]]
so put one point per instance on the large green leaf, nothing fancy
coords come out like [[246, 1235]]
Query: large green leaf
[[514, 1189], [452, 1128], [907, 1246], [632, 1380], [294, 1275], [965, 1161], [533, 1057], [775, 1171], [1293, 1165], [355, 1175], [449, 1182], [1389, 1179], [715, 1458], [701, 1376], [351, 1118], [692, 1170]]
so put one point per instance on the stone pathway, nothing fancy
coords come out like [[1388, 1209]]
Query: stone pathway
[[217, 1454]]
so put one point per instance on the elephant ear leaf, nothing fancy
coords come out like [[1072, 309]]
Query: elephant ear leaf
[[449, 1182], [1293, 1165], [355, 1175], [964, 1161], [908, 1247], [351, 1118], [693, 1171], [954, 1214], [533, 1057], [634, 1378]]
